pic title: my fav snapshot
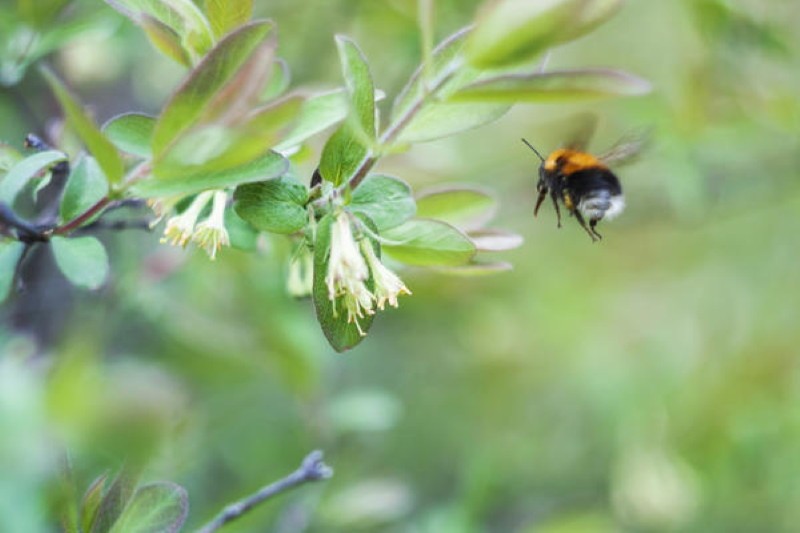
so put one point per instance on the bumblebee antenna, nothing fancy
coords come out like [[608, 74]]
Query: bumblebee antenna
[[534, 149]]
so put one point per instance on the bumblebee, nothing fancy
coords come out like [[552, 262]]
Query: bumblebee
[[583, 183]]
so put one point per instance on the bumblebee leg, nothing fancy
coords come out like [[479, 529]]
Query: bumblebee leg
[[542, 196], [583, 224], [592, 223], [558, 209]]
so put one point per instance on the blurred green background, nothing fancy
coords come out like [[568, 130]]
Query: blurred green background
[[650, 382]]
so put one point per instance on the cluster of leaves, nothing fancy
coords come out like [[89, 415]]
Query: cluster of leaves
[[117, 505], [233, 125]]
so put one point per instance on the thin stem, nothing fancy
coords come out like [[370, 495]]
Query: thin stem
[[393, 131], [311, 469], [81, 219]]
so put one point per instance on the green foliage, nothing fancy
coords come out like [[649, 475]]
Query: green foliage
[[211, 110], [10, 253], [424, 242], [464, 207], [553, 86], [347, 148], [178, 17], [131, 133], [225, 16], [510, 33], [23, 171], [158, 506], [267, 166], [385, 200], [83, 260], [332, 314], [277, 205], [86, 186]]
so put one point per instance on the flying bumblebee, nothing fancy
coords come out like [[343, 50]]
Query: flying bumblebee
[[583, 183]]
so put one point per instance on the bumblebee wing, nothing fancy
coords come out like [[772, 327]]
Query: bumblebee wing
[[627, 149], [583, 126]]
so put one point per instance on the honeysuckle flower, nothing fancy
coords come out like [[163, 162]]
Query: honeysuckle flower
[[347, 273], [301, 273], [211, 234], [388, 285], [180, 228]]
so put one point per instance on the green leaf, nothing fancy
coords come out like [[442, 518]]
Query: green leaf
[[9, 156], [351, 143], [317, 113], [493, 240], [181, 16], [385, 200], [439, 120], [18, 176], [509, 32], [131, 133], [165, 39], [243, 236], [114, 501], [90, 504], [422, 242], [216, 148], [276, 205], [340, 334], [268, 166], [443, 63], [10, 253], [279, 80], [158, 507], [221, 89], [96, 143], [554, 86], [226, 15], [85, 187], [83, 260], [466, 208]]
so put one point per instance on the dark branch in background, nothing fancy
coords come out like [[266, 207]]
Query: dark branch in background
[[115, 225], [23, 230], [311, 469]]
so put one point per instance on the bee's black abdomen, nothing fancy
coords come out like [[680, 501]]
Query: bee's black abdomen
[[583, 182]]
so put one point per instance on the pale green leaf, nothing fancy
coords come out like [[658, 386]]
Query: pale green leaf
[[554, 86], [85, 187], [439, 120], [182, 16], [94, 140], [509, 32], [165, 39], [83, 260], [226, 15], [423, 242], [90, 503], [215, 148], [387, 201], [466, 208], [317, 113], [131, 133], [276, 205], [160, 507], [351, 143], [10, 254], [222, 87], [268, 166], [18, 176]]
